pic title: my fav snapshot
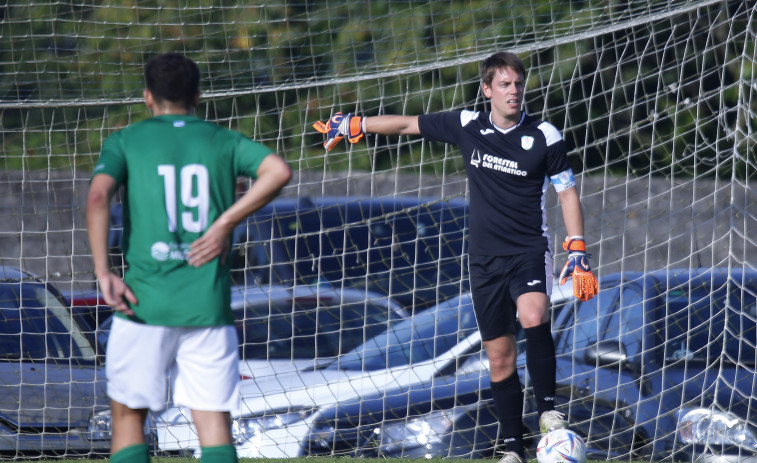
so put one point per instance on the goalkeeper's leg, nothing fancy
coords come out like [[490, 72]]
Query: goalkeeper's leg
[[508, 402], [540, 360]]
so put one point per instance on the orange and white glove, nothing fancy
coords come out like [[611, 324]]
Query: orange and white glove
[[339, 126], [585, 285]]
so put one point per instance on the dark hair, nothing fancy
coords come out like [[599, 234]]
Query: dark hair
[[499, 60], [173, 77]]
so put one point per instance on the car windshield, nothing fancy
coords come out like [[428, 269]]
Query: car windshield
[[705, 324], [34, 325], [412, 252], [694, 321], [305, 328], [418, 339], [587, 322]]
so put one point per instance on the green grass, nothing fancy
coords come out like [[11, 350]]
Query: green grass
[[290, 460]]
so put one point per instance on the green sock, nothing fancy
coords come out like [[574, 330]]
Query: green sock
[[139, 453], [220, 454]]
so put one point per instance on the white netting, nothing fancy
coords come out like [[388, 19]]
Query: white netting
[[656, 100]]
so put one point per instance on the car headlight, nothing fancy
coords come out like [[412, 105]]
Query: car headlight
[[703, 426], [422, 431], [99, 427], [248, 428]]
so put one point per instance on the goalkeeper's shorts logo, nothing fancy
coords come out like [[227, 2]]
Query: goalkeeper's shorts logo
[[161, 251]]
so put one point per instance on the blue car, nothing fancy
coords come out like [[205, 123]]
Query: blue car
[[659, 365], [448, 415], [409, 249], [672, 354], [52, 383]]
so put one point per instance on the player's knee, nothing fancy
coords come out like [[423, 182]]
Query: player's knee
[[499, 374], [501, 366], [533, 316]]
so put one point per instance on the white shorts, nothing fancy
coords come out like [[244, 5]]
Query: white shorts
[[201, 364]]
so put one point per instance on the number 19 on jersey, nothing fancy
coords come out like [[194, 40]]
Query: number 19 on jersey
[[195, 196]]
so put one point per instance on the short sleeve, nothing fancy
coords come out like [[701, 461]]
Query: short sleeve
[[249, 156], [112, 160], [444, 126], [557, 151]]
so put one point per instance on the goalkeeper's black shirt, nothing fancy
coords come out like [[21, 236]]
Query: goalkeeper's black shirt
[[508, 175]]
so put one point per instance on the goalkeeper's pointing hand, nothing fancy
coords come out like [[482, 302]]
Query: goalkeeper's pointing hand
[[585, 285], [339, 126]]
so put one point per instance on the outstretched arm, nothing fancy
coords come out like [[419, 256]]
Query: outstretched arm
[[355, 127], [273, 174], [392, 125]]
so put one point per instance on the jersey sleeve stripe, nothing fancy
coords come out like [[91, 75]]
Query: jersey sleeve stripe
[[551, 134]]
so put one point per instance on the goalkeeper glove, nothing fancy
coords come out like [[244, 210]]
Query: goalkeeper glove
[[585, 285], [339, 126]]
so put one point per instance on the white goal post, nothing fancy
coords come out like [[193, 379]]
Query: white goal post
[[657, 101]]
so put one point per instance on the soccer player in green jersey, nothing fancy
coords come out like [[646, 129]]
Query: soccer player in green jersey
[[173, 316]]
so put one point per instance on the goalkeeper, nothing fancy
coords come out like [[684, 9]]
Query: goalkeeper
[[174, 318], [510, 158]]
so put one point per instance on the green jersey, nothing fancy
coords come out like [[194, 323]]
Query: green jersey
[[179, 175]]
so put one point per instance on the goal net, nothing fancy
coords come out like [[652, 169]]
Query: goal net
[[657, 101]]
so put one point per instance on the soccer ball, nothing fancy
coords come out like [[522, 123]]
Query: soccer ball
[[561, 446]]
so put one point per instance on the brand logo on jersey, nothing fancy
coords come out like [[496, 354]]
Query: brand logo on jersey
[[486, 131], [533, 282], [179, 123], [526, 142], [162, 251], [504, 165], [475, 158]]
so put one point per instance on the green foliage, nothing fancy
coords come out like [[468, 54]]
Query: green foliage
[[634, 100]]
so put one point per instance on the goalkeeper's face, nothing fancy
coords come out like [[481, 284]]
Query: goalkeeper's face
[[505, 93]]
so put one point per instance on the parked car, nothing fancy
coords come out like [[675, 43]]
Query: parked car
[[452, 417], [288, 330], [278, 413], [89, 304], [409, 249], [51, 380], [670, 356], [292, 330], [659, 366]]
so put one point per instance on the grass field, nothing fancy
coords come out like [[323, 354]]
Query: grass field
[[292, 460]]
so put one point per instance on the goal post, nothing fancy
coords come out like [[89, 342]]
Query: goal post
[[656, 100]]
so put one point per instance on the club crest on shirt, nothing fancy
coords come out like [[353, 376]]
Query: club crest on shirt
[[526, 142]]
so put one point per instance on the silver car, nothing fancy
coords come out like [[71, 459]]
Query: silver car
[[51, 377]]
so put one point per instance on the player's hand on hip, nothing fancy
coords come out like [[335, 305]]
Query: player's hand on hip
[[116, 293], [213, 243], [585, 285], [339, 126]]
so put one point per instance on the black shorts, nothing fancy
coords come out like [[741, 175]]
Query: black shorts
[[497, 282]]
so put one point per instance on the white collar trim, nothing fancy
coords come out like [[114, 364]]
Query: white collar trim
[[509, 129]]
